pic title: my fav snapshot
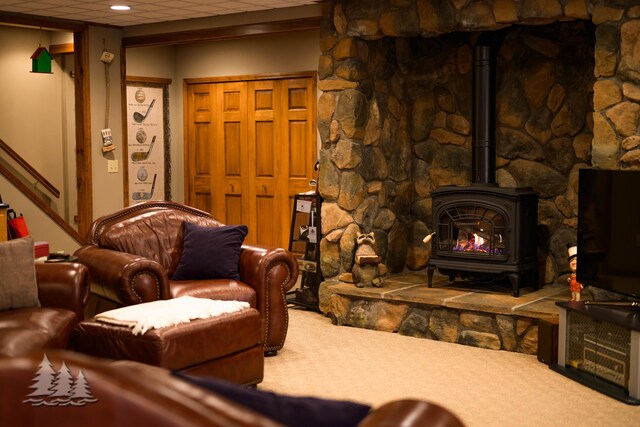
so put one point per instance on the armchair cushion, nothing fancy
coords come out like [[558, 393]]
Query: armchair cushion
[[18, 287], [210, 252], [289, 410]]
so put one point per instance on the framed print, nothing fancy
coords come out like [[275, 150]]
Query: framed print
[[147, 148]]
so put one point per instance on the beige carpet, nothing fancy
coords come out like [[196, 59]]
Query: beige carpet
[[483, 387]]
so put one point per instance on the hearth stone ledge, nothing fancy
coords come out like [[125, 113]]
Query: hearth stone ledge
[[459, 313]]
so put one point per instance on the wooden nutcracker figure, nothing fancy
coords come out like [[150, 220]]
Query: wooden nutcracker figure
[[574, 286]]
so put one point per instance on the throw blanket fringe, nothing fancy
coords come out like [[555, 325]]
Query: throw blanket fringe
[[163, 313]]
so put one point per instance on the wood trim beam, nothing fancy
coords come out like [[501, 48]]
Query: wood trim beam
[[140, 79], [224, 33], [59, 49], [34, 173], [40, 21]]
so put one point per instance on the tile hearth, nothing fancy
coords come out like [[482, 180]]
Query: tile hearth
[[476, 314]]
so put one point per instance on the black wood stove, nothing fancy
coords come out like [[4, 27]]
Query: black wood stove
[[483, 231]]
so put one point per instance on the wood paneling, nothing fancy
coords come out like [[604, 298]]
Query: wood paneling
[[261, 141]]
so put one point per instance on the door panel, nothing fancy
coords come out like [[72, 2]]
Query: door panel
[[250, 147]]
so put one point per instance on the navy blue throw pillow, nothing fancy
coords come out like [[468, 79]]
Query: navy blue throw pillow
[[288, 410], [210, 252]]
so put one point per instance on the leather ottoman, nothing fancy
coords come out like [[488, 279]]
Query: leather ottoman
[[227, 346]]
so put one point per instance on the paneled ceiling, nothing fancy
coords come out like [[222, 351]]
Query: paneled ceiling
[[142, 11]]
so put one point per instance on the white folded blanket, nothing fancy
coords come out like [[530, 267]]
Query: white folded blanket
[[163, 313]]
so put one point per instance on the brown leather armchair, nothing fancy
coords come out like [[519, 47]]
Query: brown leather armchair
[[63, 291], [133, 253], [129, 394]]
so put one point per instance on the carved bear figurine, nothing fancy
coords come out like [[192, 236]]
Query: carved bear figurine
[[367, 265]]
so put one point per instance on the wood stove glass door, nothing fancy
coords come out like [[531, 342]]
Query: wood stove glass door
[[472, 231]]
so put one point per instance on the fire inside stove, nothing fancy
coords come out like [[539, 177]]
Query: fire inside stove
[[476, 238], [473, 230]]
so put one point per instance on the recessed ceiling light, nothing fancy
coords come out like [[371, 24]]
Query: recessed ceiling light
[[120, 7]]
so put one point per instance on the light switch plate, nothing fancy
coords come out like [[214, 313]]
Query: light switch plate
[[112, 166]]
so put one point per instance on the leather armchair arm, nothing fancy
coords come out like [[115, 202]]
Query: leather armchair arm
[[410, 413], [272, 272], [63, 285], [123, 277]]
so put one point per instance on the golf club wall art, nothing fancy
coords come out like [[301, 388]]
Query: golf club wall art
[[148, 155]]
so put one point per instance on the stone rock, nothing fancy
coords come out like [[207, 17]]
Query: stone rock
[[548, 215], [374, 187], [400, 161], [542, 45], [522, 325], [420, 178], [631, 91], [324, 296], [631, 142], [451, 166], [538, 125], [416, 324], [459, 124], [348, 246], [351, 70], [339, 19], [328, 178], [443, 324], [366, 213], [344, 49], [346, 154], [631, 158], [602, 13], [464, 59], [605, 94], [479, 339], [532, 9], [351, 112], [385, 219], [477, 322], [512, 144], [538, 79], [572, 186], [445, 99], [512, 108], [334, 217], [334, 236], [325, 66], [546, 181], [373, 129], [444, 136], [374, 164], [376, 315], [398, 240], [423, 210], [440, 120], [365, 28], [604, 150], [418, 253], [529, 341], [352, 191], [556, 97], [505, 11], [477, 15], [605, 51], [582, 146], [570, 119], [404, 195], [422, 116], [334, 131], [624, 117], [559, 154], [558, 247], [565, 206], [326, 107], [426, 150], [437, 17], [507, 332], [505, 179], [329, 258], [576, 9], [333, 84], [400, 22]]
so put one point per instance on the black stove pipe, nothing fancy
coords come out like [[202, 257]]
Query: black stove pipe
[[484, 123]]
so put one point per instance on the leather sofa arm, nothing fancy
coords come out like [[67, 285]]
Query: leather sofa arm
[[63, 285], [272, 272], [410, 413], [123, 277]]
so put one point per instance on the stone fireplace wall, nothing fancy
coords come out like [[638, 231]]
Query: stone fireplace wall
[[394, 115]]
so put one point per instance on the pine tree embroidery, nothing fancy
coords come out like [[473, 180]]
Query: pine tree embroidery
[[60, 388]]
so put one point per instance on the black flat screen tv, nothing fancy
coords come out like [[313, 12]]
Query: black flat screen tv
[[609, 230]]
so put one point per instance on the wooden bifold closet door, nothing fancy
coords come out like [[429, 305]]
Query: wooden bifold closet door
[[250, 146]]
